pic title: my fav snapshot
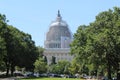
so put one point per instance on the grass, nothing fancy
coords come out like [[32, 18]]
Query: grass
[[52, 79]]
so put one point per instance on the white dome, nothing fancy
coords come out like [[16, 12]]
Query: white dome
[[58, 23], [58, 29]]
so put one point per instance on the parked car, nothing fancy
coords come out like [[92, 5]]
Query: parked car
[[53, 75], [29, 74], [18, 73], [43, 75]]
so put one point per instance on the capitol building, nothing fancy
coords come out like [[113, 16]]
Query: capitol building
[[58, 39]]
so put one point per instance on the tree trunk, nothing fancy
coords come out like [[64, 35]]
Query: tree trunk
[[7, 67], [7, 71], [108, 66], [12, 69], [118, 75], [109, 71]]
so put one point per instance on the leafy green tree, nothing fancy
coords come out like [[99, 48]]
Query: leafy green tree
[[28, 52], [3, 34], [2, 54], [74, 67], [40, 51], [98, 43], [21, 50], [40, 65], [62, 67], [45, 59], [2, 49], [16, 48], [53, 60], [52, 68], [2, 42]]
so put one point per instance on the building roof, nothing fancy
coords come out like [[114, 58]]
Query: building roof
[[57, 29], [58, 32]]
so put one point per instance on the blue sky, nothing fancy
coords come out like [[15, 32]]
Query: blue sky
[[35, 16]]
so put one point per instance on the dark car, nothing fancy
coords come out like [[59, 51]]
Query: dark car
[[29, 75]]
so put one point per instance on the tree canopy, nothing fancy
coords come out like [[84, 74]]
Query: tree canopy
[[16, 47], [98, 44]]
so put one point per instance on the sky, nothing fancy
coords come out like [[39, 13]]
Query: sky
[[34, 16]]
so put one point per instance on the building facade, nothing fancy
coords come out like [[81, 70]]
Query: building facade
[[57, 41]]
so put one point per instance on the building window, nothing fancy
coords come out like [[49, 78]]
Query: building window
[[58, 45], [55, 45]]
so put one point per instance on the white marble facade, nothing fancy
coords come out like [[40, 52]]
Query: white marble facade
[[57, 42], [59, 54]]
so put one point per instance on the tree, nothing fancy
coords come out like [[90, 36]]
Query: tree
[[16, 48], [21, 50], [2, 42], [99, 43], [3, 34], [62, 67], [2, 54], [2, 49], [28, 51], [75, 67], [40, 65], [53, 60], [40, 51]]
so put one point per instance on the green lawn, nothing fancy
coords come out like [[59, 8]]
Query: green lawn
[[52, 79]]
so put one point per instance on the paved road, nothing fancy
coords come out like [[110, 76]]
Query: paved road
[[12, 78]]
